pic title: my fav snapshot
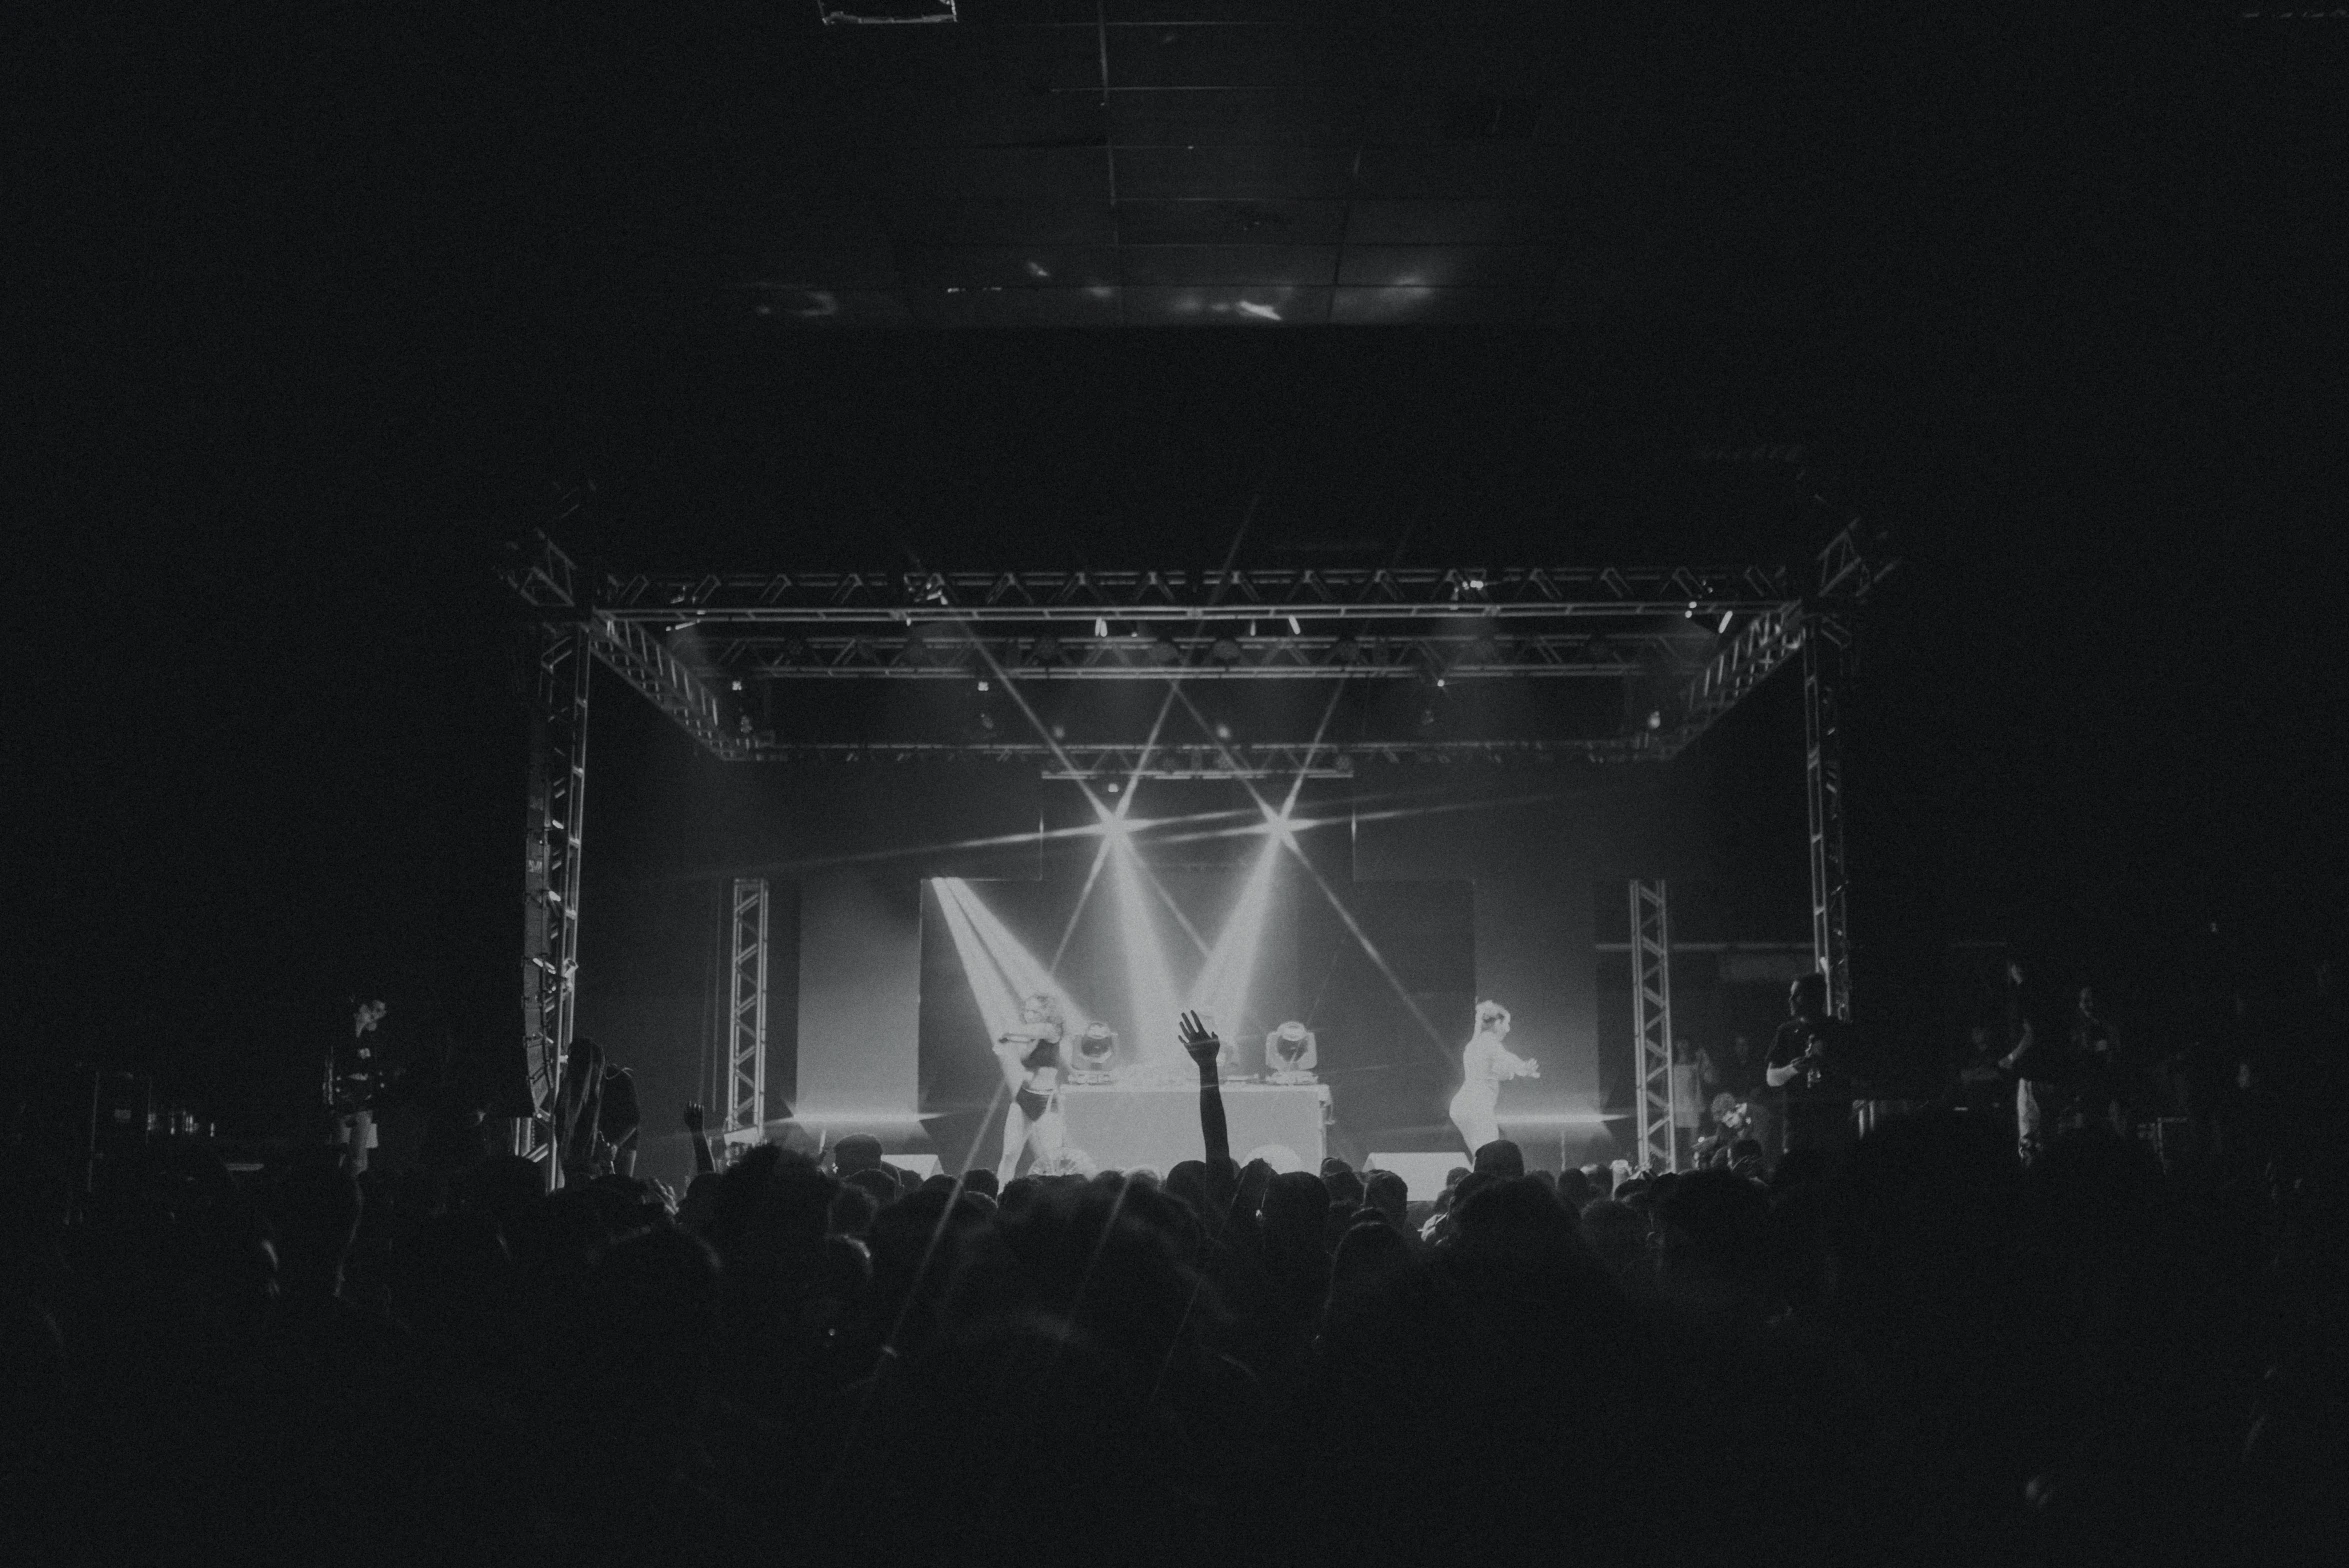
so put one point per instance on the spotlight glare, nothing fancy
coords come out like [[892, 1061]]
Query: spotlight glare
[[1100, 627], [1726, 617]]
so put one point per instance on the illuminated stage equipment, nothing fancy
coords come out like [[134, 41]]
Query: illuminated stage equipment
[[1360, 629], [1096, 1054]]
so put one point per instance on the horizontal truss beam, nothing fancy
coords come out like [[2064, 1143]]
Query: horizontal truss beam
[[816, 598], [1471, 622], [1195, 656], [1213, 762]]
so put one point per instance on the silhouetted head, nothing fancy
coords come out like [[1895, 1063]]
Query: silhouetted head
[[1501, 1157], [859, 1151], [1807, 997]]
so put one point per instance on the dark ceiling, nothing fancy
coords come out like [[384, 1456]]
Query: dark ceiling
[[1189, 162]]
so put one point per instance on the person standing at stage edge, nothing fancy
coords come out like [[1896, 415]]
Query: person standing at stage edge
[[1810, 1067]]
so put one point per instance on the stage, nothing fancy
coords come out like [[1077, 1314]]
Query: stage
[[1118, 1127]]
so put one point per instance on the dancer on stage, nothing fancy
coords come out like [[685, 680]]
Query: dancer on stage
[[1032, 1062], [1486, 1062]]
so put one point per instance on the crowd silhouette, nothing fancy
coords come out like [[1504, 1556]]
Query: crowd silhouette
[[1918, 1349]]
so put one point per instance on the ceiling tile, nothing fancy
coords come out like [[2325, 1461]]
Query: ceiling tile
[[1149, 56], [1230, 264], [1001, 223], [835, 267], [1068, 174], [1023, 267], [1087, 307], [1231, 222], [823, 309], [1226, 307], [1454, 170], [1449, 223], [1400, 307], [1236, 117], [1210, 10], [1297, 173], [1448, 266], [986, 13], [990, 115]]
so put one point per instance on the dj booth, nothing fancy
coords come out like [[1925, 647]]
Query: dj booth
[[1119, 1127]]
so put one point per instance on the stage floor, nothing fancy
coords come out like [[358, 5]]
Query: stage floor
[[1120, 1128]]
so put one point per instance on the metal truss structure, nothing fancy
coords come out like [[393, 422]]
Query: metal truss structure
[[1233, 761], [1823, 671], [1693, 642], [746, 1052], [1665, 626], [554, 827], [1651, 1023], [1160, 598]]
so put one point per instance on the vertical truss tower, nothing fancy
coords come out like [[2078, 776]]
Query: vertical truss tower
[[746, 1053], [550, 861], [1651, 1022], [1823, 667]]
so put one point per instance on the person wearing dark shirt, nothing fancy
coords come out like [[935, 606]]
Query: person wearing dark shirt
[[2104, 1089], [2037, 1067], [355, 1078], [1810, 1067], [617, 1119]]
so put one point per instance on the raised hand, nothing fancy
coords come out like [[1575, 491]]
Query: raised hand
[[693, 1119], [1200, 1043]]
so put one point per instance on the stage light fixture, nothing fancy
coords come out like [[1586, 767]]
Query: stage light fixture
[[1346, 650], [1727, 616], [1044, 650], [1100, 627], [1162, 651], [734, 685], [1224, 651], [1294, 629]]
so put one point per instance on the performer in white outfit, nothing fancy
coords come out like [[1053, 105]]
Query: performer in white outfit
[[1486, 1062]]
